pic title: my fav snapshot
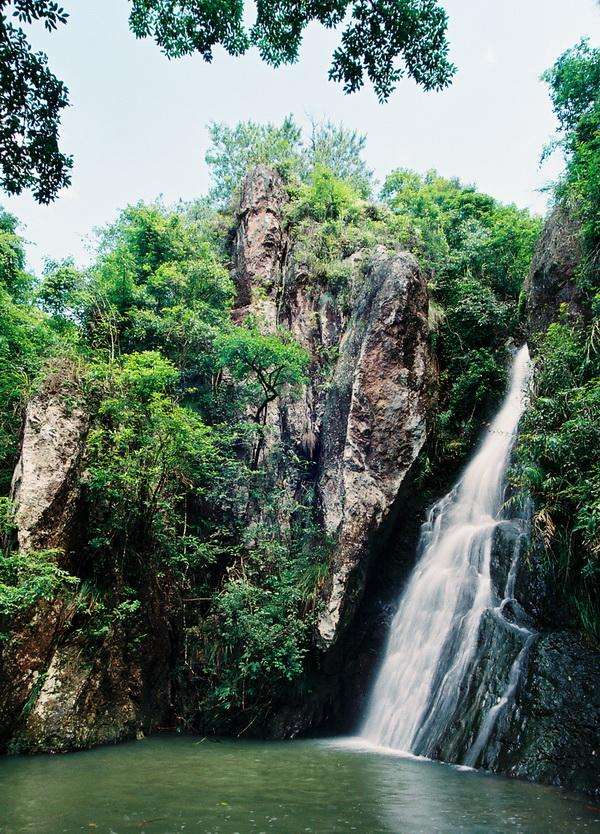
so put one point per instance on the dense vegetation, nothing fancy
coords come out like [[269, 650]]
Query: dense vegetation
[[181, 497], [558, 454]]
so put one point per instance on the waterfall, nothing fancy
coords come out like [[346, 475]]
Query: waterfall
[[433, 635]]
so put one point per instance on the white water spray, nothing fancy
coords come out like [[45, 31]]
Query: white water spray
[[433, 635]]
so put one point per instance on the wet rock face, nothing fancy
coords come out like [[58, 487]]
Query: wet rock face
[[374, 424], [551, 281], [45, 485], [547, 727], [556, 731]]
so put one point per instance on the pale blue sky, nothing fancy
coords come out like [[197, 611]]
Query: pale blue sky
[[137, 125]]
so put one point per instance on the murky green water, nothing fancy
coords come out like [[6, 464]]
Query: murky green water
[[170, 784]]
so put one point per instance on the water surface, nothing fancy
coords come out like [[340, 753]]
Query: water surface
[[169, 784]]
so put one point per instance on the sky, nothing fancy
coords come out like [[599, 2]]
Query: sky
[[137, 125]]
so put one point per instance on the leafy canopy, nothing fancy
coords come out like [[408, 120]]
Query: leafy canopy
[[267, 362], [31, 101], [575, 91], [558, 461], [478, 253], [382, 39], [236, 150], [574, 81]]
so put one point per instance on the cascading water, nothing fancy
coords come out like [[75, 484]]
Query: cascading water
[[434, 632]]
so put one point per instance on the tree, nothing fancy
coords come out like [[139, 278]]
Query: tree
[[574, 81], [377, 34], [235, 150], [339, 149], [270, 360], [383, 40], [326, 197], [31, 101]]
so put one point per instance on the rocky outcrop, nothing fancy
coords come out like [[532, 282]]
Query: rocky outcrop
[[539, 682], [551, 280], [61, 690], [259, 247], [361, 420], [81, 700], [374, 423], [45, 491], [45, 486], [555, 733]]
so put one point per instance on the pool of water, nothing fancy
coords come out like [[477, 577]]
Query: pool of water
[[169, 784]]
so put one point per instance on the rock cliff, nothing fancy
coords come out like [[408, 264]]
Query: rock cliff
[[58, 691], [362, 421], [354, 432], [551, 283]]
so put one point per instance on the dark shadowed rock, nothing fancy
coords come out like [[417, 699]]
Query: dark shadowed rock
[[555, 737], [539, 681], [551, 280]]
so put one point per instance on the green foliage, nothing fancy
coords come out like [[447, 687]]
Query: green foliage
[[558, 463], [326, 197], [265, 362], [25, 579], [145, 453], [235, 150], [259, 629], [377, 35], [31, 101], [57, 291], [456, 230], [331, 147], [337, 149], [158, 283], [26, 342], [478, 253], [574, 82], [259, 638]]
